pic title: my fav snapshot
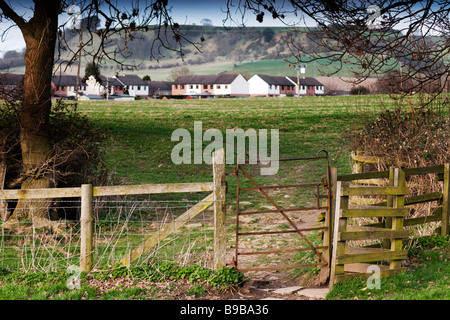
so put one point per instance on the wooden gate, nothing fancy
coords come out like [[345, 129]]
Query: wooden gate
[[355, 260], [321, 203]]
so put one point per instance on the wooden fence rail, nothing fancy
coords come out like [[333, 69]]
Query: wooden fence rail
[[87, 193], [441, 213], [353, 261]]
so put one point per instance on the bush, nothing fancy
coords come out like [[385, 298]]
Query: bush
[[405, 139], [418, 138], [361, 90]]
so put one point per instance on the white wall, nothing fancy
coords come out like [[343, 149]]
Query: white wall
[[240, 86], [257, 86], [222, 89], [135, 90], [193, 88], [319, 89]]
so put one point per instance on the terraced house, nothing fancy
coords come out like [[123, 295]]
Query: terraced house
[[226, 84], [261, 85], [308, 86]]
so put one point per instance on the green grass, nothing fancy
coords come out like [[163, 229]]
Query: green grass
[[139, 145], [427, 277], [53, 285]]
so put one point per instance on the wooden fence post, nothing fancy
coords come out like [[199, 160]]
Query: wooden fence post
[[220, 232], [328, 235], [446, 198], [86, 224], [340, 225], [358, 167], [397, 222]]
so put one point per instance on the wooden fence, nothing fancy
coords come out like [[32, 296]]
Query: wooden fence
[[87, 193], [441, 213], [348, 262]]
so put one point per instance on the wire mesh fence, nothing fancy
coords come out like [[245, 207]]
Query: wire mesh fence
[[121, 223]]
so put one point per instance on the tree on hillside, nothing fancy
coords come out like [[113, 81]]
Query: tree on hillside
[[178, 72], [206, 22]]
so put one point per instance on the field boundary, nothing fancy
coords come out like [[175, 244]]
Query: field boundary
[[87, 193], [348, 262]]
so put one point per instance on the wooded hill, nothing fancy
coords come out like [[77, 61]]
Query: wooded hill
[[247, 50]]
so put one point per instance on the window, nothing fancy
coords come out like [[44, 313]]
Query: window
[[196, 86], [205, 86], [218, 86], [181, 86], [139, 87], [226, 87]]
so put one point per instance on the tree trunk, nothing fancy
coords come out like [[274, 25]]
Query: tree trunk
[[40, 37]]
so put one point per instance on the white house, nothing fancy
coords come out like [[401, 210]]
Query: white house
[[262, 85], [133, 85], [270, 86], [208, 85]]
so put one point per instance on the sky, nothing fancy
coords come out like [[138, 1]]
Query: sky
[[183, 12]]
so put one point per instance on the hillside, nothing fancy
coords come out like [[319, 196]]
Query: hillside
[[247, 50]]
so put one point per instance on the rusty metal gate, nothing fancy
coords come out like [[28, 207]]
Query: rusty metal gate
[[321, 252]]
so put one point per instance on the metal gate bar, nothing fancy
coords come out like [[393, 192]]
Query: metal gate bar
[[283, 213]]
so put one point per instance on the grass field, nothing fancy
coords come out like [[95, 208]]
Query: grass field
[[139, 144]]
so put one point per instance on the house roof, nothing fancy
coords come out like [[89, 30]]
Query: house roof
[[10, 79], [225, 78], [131, 80], [159, 85], [307, 81], [275, 80], [65, 80], [111, 81]]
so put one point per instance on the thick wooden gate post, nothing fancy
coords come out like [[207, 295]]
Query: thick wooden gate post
[[220, 232], [329, 218], [397, 222], [446, 198], [87, 230], [340, 225]]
